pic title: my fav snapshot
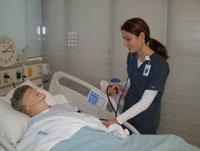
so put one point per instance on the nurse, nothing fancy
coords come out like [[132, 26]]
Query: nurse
[[148, 71]]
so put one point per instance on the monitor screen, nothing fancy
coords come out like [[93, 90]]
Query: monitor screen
[[93, 97]]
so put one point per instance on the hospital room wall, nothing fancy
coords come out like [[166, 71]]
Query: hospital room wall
[[87, 60], [173, 22], [180, 105], [19, 21], [55, 40]]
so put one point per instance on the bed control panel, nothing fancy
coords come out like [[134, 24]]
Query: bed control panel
[[95, 99]]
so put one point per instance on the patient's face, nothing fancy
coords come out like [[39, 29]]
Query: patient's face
[[33, 101]]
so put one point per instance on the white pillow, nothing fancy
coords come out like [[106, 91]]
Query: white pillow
[[12, 123], [49, 98], [60, 99]]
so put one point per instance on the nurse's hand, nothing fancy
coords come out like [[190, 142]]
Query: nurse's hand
[[114, 89], [110, 122]]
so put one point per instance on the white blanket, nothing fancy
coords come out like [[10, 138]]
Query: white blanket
[[45, 133]]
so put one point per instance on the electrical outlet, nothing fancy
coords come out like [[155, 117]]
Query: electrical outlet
[[6, 77]]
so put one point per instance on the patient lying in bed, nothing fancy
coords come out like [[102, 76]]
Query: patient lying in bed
[[60, 127], [51, 124]]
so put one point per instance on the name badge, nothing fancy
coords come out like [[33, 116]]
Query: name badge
[[147, 69]]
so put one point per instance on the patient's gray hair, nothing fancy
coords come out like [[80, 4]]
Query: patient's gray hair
[[17, 98]]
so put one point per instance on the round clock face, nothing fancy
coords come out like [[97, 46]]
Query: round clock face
[[7, 52]]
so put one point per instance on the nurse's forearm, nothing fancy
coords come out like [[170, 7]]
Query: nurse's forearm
[[139, 107]]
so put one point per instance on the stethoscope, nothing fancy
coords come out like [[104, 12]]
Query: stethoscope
[[146, 72], [132, 62]]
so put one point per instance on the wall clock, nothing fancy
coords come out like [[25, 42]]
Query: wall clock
[[8, 54]]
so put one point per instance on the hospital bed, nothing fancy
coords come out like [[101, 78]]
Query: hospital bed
[[77, 92], [91, 100], [101, 107]]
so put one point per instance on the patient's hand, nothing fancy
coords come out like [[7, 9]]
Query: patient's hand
[[110, 122]]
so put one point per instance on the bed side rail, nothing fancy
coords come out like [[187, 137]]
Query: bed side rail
[[55, 85], [79, 100]]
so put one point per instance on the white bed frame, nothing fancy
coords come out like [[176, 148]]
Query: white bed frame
[[77, 99]]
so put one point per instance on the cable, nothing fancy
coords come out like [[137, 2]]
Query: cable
[[13, 83], [108, 97], [120, 97]]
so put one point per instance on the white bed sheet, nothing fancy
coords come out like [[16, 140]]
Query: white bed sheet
[[53, 126]]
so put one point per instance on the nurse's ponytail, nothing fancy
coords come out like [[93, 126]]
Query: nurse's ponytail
[[158, 47], [138, 25]]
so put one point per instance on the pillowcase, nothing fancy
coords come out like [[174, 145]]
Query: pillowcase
[[60, 99], [49, 98], [12, 123]]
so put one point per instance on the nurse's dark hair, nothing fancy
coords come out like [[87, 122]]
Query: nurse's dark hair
[[16, 100], [138, 25]]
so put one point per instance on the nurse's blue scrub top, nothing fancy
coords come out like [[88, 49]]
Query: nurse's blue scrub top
[[141, 80]]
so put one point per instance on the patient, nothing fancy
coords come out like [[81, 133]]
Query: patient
[[60, 127], [58, 122], [29, 101]]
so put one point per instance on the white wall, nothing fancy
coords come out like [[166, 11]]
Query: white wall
[[33, 20], [180, 108], [89, 18], [55, 43], [13, 21], [19, 20], [88, 59]]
